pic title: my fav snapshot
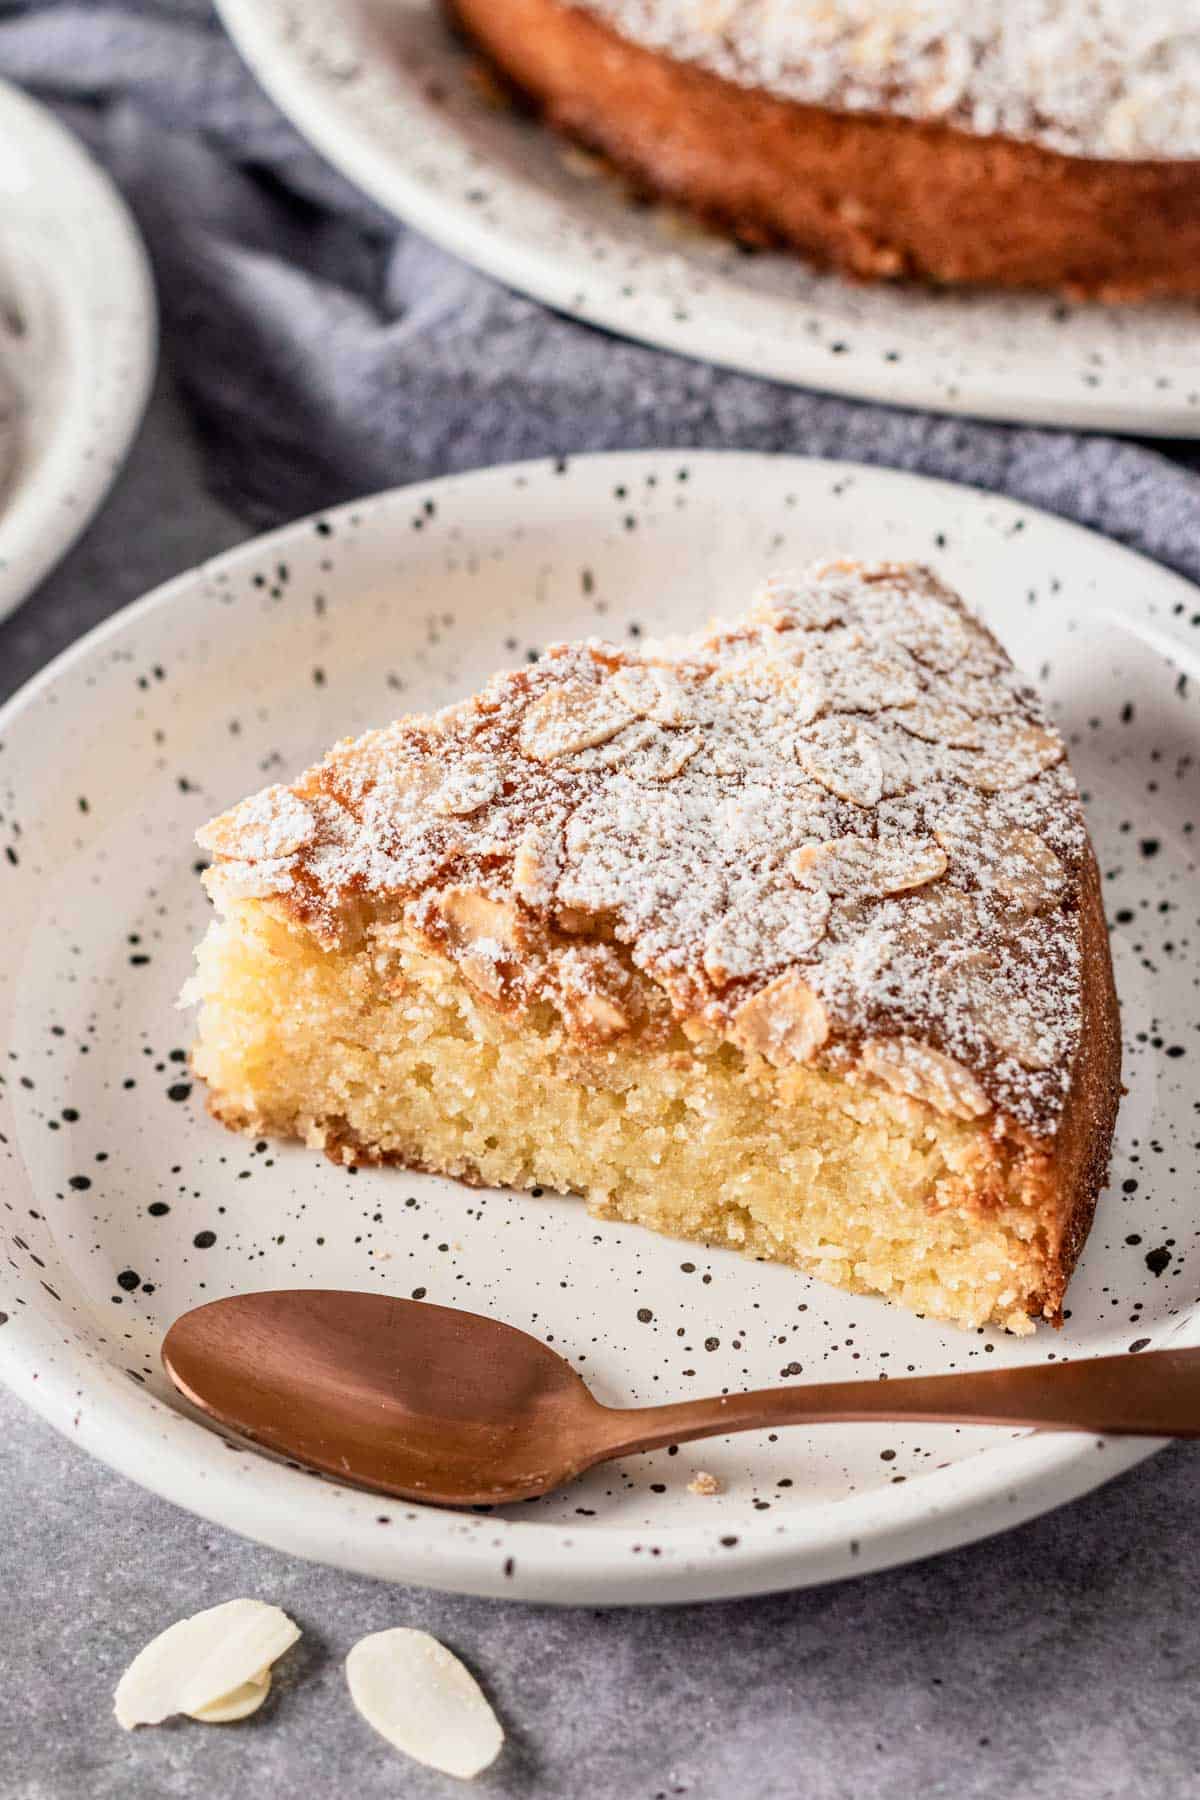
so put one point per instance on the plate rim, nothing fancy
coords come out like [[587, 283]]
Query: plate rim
[[876, 1530], [337, 133], [42, 528]]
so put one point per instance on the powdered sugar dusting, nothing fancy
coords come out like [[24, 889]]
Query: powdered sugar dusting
[[1099, 78], [747, 816]]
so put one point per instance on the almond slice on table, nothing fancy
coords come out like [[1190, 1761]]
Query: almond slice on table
[[239, 1704], [203, 1660], [417, 1695]]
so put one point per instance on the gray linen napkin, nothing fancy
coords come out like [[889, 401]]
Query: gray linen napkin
[[326, 351]]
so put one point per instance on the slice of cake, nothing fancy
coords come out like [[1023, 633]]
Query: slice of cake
[[1023, 143], [786, 936]]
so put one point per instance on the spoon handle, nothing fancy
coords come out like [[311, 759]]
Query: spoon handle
[[1153, 1394]]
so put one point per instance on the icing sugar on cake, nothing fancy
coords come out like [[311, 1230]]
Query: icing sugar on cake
[[838, 829], [1096, 78]]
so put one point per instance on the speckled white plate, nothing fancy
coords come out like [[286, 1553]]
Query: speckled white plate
[[123, 1203], [380, 88], [79, 345]]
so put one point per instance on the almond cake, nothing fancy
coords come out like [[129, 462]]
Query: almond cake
[[1046, 143], [786, 936]]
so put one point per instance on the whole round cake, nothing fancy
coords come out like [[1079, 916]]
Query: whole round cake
[[1022, 143]]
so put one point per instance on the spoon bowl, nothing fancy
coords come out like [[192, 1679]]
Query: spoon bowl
[[399, 1395], [429, 1403]]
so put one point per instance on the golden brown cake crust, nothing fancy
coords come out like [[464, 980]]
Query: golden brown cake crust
[[873, 195], [1084, 1138]]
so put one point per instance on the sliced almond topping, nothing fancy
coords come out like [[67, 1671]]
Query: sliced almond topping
[[909, 1067], [652, 693], [418, 1696], [857, 681], [574, 715], [844, 757], [941, 722], [665, 757], [771, 928], [466, 787], [785, 1021], [939, 917], [862, 867], [591, 989], [1014, 753], [1027, 872], [1009, 1021], [475, 918], [483, 971], [202, 1661], [272, 824], [538, 862], [782, 605], [1013, 863], [770, 669], [943, 637], [594, 1018]]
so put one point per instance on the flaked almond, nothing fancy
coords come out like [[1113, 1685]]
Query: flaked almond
[[844, 757], [941, 722], [466, 787], [944, 915], [618, 751], [943, 637], [200, 1662], [1010, 1023], [474, 918], [537, 862], [417, 1695], [571, 716], [483, 971], [783, 606], [592, 990], [974, 984], [652, 693], [1014, 752], [1011, 862], [769, 929], [239, 1704], [275, 823], [855, 680], [772, 669], [785, 1021], [666, 756], [864, 867], [1026, 872], [909, 1067], [596, 1018]]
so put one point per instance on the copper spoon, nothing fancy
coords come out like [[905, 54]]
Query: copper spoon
[[432, 1404]]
